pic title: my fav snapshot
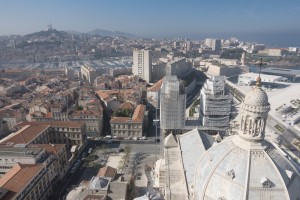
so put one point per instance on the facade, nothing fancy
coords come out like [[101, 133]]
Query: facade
[[215, 105], [158, 71], [178, 67], [172, 104], [4, 131], [142, 64], [88, 73], [57, 132], [31, 172], [273, 52], [214, 44], [189, 45], [93, 121], [134, 126], [153, 94], [12, 117], [215, 68]]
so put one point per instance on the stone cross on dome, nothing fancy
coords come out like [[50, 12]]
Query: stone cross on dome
[[258, 80]]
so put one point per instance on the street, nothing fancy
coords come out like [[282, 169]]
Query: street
[[140, 151]]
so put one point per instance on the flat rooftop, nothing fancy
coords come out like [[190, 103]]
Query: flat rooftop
[[19, 151], [254, 76], [291, 72]]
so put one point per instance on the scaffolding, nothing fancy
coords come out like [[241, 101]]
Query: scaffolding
[[172, 104], [215, 104]]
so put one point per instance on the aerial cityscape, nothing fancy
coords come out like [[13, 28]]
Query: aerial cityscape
[[158, 100]]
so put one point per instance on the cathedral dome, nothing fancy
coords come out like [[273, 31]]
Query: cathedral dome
[[256, 97], [246, 166], [228, 171]]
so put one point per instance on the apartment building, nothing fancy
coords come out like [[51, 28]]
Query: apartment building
[[56, 132], [93, 120], [30, 172], [123, 127], [142, 64]]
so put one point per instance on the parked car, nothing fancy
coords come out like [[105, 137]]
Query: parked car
[[108, 137]]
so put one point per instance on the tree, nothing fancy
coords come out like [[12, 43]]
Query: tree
[[122, 112]]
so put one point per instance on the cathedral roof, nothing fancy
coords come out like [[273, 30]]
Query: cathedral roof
[[229, 172], [246, 166]]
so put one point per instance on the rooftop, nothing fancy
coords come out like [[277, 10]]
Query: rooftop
[[107, 172], [138, 115], [53, 124], [26, 135], [19, 176], [28, 151], [156, 86]]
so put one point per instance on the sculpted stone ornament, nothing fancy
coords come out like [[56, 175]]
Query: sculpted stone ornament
[[265, 182], [231, 174]]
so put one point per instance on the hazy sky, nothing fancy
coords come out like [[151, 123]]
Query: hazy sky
[[253, 20]]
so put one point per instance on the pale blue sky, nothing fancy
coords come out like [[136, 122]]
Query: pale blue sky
[[254, 20]]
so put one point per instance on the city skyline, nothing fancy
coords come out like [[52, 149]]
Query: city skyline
[[270, 22]]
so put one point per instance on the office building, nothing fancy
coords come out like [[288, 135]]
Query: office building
[[214, 44], [142, 64]]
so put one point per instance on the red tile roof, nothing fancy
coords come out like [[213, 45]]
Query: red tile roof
[[107, 172], [126, 105], [18, 177], [26, 135], [53, 124], [156, 87], [138, 115]]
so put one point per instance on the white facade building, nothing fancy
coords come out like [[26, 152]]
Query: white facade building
[[142, 64], [214, 44], [248, 78]]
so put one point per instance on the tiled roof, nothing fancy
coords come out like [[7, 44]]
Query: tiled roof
[[107, 172], [126, 105], [53, 124], [18, 178], [102, 95], [27, 135], [138, 115], [156, 87]]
